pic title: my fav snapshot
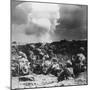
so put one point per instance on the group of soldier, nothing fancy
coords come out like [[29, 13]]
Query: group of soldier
[[61, 67]]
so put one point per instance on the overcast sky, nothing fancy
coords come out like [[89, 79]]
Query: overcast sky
[[46, 22]]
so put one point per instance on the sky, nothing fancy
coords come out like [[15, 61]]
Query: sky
[[45, 22]]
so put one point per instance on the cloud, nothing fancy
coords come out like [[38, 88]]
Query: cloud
[[34, 29], [18, 16], [73, 22], [37, 22], [37, 19], [73, 16]]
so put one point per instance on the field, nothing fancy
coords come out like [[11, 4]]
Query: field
[[39, 81]]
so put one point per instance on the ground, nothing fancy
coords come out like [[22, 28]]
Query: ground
[[34, 81]]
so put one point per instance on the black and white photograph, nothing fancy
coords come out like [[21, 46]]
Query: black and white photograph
[[48, 44]]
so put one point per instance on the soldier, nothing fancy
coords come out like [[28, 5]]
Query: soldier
[[66, 70], [24, 64], [82, 59], [46, 66], [64, 74], [22, 54], [55, 67], [78, 63]]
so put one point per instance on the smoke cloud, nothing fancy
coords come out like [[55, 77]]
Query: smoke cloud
[[41, 19], [46, 22]]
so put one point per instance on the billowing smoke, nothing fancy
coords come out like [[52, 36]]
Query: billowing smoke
[[37, 22], [42, 20], [34, 20]]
